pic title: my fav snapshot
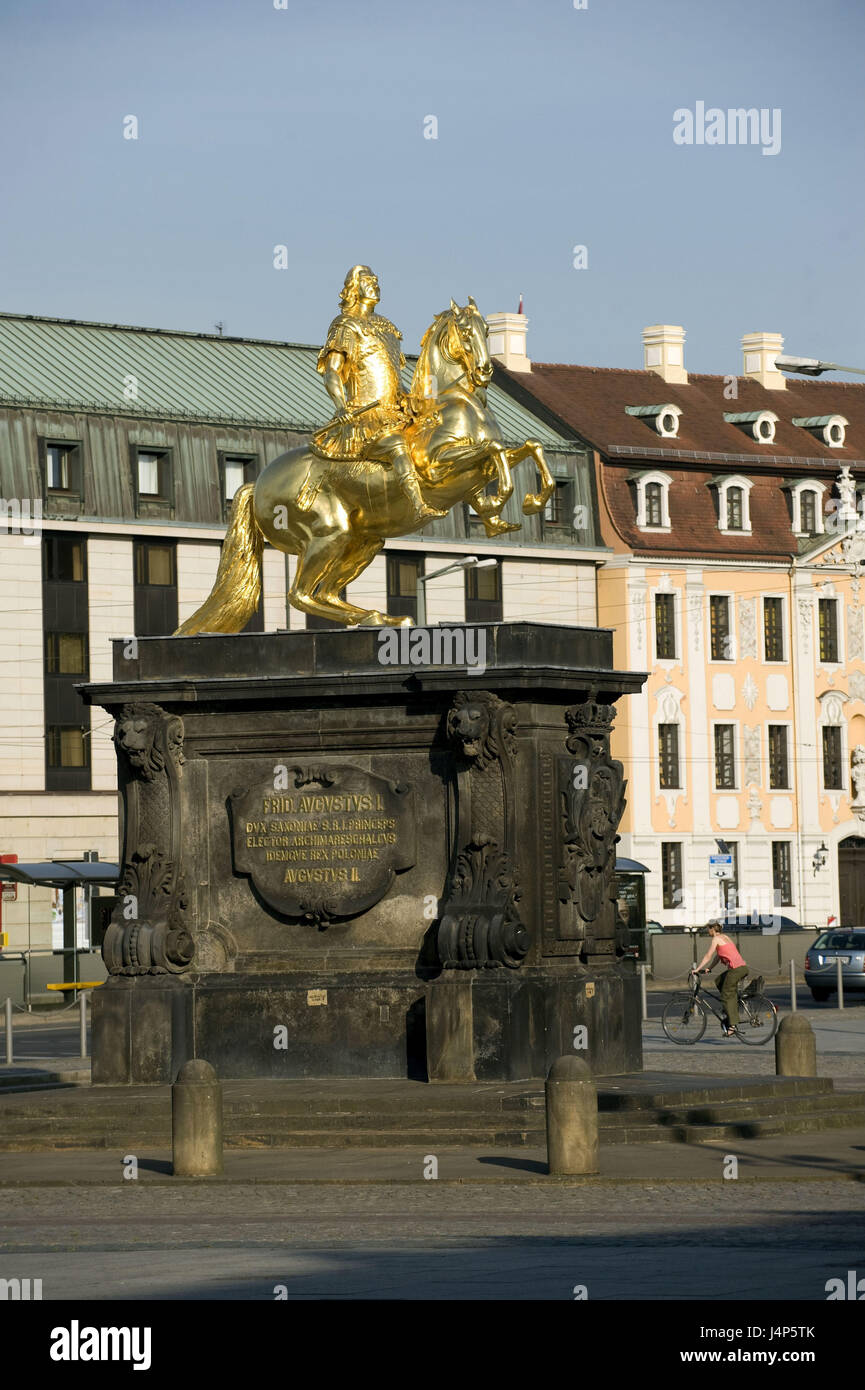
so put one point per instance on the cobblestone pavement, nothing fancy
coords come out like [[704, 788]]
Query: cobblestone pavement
[[721, 1240]]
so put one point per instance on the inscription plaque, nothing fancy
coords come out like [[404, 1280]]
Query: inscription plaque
[[328, 844]]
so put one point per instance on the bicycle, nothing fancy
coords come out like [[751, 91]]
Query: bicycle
[[685, 1016]]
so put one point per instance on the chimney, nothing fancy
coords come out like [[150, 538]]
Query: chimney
[[508, 341], [663, 352], [759, 351]]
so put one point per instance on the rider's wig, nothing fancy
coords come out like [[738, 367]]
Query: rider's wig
[[350, 293]]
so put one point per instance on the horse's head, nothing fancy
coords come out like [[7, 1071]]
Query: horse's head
[[455, 350]]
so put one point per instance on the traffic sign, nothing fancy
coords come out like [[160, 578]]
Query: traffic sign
[[721, 865]]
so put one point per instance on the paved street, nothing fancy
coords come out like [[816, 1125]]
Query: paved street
[[661, 1223], [429, 1241]]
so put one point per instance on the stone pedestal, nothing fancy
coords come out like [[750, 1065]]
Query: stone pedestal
[[345, 854]]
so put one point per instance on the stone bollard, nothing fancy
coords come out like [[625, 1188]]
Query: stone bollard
[[572, 1117], [196, 1121], [795, 1047]]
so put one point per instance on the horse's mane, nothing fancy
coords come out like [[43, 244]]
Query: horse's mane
[[422, 379]]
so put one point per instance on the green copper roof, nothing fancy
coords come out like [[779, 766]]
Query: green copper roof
[[150, 372]]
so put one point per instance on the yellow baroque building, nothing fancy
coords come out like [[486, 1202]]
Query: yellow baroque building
[[735, 576]]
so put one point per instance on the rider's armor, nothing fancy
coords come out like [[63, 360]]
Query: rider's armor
[[371, 348], [381, 411]]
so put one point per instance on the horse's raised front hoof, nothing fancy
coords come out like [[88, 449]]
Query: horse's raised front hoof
[[533, 502], [494, 526]]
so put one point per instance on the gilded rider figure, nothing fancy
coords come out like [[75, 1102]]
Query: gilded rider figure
[[360, 363]]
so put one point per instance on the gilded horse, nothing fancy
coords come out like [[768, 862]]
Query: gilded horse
[[356, 505]]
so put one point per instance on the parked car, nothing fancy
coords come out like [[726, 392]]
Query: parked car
[[821, 968], [757, 920]]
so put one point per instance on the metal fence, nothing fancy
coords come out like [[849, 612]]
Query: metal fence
[[25, 974], [671, 954]]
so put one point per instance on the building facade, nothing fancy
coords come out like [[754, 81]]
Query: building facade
[[733, 513], [120, 451]]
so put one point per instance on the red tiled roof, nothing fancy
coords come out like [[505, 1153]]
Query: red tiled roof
[[592, 401]]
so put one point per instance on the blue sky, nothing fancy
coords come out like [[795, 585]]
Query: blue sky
[[304, 127]]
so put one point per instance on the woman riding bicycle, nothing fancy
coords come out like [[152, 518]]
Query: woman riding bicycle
[[724, 949]]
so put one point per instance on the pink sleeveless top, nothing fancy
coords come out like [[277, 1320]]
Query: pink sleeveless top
[[727, 953]]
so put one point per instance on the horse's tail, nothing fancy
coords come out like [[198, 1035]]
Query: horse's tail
[[237, 588]]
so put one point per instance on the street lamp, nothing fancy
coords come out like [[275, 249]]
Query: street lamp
[[812, 366], [468, 562], [819, 858]]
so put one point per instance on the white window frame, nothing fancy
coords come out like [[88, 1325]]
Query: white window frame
[[785, 640], [737, 772], [796, 490], [722, 484], [675, 411], [642, 482], [772, 418], [835, 421]]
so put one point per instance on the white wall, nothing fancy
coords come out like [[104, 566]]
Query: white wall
[[196, 571], [445, 597], [549, 592], [274, 583], [22, 724], [369, 590]]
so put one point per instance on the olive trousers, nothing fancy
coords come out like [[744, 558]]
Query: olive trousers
[[728, 987]]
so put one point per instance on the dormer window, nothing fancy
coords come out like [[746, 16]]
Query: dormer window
[[831, 429], [734, 512], [653, 501], [664, 418], [807, 499], [760, 424]]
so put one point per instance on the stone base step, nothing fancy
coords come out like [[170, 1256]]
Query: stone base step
[[24, 1082], [648, 1108]]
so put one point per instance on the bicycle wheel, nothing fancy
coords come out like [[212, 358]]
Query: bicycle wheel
[[758, 1020], [683, 1020]]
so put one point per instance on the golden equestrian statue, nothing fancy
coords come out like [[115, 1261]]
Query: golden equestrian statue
[[387, 463]]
